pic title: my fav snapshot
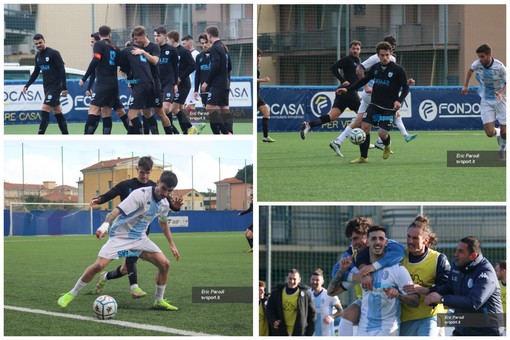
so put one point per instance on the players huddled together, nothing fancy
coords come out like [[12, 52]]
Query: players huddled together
[[161, 76], [408, 291]]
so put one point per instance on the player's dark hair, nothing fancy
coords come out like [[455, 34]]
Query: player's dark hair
[[485, 49], [391, 40], [187, 37], [359, 225], [173, 35], [104, 31], [38, 36], [375, 228], [203, 36], [422, 223], [355, 42], [262, 284], [145, 163], [213, 31], [168, 178], [160, 30], [138, 31], [473, 244], [383, 45], [502, 264], [95, 35], [318, 272]]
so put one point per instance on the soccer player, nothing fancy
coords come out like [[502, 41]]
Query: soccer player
[[261, 104], [187, 42], [263, 323], [380, 306], [473, 288], [389, 79], [501, 274], [428, 268], [491, 74], [168, 72], [325, 318], [366, 97], [203, 67], [348, 65], [218, 82], [50, 63], [298, 316], [123, 189], [106, 92], [126, 225], [186, 67], [248, 233]]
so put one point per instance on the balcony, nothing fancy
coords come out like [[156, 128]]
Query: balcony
[[19, 22]]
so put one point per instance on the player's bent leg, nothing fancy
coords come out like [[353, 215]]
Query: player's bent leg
[[490, 129], [350, 317], [161, 262]]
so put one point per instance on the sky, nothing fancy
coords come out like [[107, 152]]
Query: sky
[[44, 160]]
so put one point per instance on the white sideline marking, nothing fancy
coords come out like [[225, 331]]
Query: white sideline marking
[[111, 322]]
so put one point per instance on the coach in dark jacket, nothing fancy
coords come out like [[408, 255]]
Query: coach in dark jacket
[[299, 306], [472, 287]]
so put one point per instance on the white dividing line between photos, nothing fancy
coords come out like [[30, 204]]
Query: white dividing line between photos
[[110, 322]]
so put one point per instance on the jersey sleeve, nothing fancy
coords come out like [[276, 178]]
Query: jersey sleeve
[[132, 203], [34, 74], [402, 278], [394, 253], [371, 61]]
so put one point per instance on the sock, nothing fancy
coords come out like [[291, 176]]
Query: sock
[[114, 274], [91, 124], [62, 124], [133, 286], [160, 292], [387, 141], [168, 130], [45, 120], [498, 132], [228, 120], [250, 242], [146, 126], [363, 148], [125, 121], [343, 135], [77, 287], [345, 328], [174, 129], [107, 125], [401, 127], [265, 126], [153, 125], [216, 122], [137, 126], [131, 269]]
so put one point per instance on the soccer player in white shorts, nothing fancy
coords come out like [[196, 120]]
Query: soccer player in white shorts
[[129, 222]]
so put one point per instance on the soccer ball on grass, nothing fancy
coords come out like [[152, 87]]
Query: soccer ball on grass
[[357, 136], [105, 307]]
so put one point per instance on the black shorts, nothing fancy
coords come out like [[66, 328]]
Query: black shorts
[[260, 101], [158, 97], [117, 105], [52, 96], [105, 95], [203, 97], [250, 227], [377, 116], [168, 93], [182, 93], [142, 96], [218, 96], [349, 100]]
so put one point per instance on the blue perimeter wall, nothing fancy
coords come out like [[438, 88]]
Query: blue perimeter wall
[[425, 108], [54, 222]]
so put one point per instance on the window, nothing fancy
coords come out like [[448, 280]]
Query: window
[[359, 9], [200, 7]]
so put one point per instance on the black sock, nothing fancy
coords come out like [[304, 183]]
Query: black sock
[[228, 119], [91, 124], [114, 274], [107, 125], [323, 119], [364, 147], [216, 122], [62, 124], [265, 126], [137, 126], [184, 122], [387, 141], [45, 120], [125, 121], [168, 130], [146, 125], [153, 125], [131, 269], [250, 242]]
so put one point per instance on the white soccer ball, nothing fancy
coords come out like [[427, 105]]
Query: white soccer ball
[[357, 136], [105, 307]]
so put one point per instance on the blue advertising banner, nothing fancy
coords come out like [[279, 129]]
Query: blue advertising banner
[[20, 108], [425, 108]]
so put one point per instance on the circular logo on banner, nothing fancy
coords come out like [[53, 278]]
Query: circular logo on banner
[[428, 110], [66, 102], [320, 104]]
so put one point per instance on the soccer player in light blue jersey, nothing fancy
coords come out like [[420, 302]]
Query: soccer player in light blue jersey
[[491, 74], [324, 317], [127, 225]]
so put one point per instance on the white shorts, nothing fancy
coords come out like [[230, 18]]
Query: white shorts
[[492, 111], [365, 100], [116, 247]]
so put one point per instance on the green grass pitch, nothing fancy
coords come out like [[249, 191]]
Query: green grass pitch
[[309, 171], [38, 269], [241, 128]]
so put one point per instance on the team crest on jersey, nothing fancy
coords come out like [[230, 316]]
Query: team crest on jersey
[[390, 74], [385, 274], [47, 59], [470, 283], [49, 97], [167, 52]]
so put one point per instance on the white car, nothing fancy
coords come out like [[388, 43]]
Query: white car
[[14, 71]]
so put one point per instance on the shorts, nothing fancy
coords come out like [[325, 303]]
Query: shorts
[[158, 97], [421, 327], [105, 95], [168, 93], [183, 89], [118, 105], [203, 97], [250, 227], [117, 247], [349, 100], [365, 101], [383, 118], [218, 97], [492, 111], [142, 96], [260, 101], [52, 96]]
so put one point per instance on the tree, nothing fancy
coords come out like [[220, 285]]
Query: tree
[[245, 174]]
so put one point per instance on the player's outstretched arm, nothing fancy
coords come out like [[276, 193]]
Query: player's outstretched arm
[[165, 228]]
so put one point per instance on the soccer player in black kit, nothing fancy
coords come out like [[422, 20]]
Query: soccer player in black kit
[[218, 83], [123, 189], [389, 79], [348, 65], [106, 92], [51, 64]]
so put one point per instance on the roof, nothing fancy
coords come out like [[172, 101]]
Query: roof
[[231, 180], [15, 186], [109, 163], [57, 197], [183, 192]]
